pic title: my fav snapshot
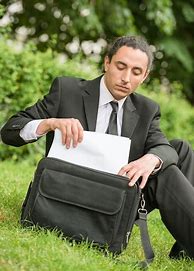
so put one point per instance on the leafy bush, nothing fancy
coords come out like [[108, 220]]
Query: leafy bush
[[177, 119]]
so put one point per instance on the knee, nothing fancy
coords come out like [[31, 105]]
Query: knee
[[183, 148], [176, 143], [180, 144]]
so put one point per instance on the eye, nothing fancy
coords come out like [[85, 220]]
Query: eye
[[120, 66], [137, 71]]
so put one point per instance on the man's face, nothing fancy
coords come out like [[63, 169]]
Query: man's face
[[125, 72]]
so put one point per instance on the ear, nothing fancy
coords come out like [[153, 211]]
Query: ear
[[145, 76], [106, 63]]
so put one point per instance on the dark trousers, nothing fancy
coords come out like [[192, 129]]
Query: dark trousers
[[172, 192]]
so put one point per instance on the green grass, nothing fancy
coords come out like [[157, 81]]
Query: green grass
[[29, 250]]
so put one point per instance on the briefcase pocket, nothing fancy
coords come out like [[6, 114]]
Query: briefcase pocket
[[80, 208]]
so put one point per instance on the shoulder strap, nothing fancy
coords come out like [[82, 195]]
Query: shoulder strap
[[141, 222]]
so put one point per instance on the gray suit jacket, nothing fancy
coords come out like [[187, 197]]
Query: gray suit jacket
[[78, 98]]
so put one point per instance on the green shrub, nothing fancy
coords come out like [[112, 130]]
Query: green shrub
[[177, 119]]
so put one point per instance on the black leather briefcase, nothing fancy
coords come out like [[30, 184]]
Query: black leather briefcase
[[82, 203]]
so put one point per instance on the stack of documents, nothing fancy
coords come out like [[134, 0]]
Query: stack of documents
[[100, 151]]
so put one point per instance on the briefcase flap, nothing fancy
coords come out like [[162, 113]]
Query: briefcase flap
[[78, 191]]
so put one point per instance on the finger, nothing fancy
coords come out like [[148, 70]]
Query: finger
[[124, 169], [75, 132], [134, 179], [144, 181], [68, 136], [63, 134], [132, 172], [80, 132]]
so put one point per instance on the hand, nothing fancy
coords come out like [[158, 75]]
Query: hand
[[71, 130], [141, 167]]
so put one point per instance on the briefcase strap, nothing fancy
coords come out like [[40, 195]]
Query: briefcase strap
[[141, 222]]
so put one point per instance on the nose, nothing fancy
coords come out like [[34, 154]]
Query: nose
[[126, 76]]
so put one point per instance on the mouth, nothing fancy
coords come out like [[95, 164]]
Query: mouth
[[123, 88]]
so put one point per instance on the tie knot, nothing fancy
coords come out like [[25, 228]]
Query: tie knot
[[114, 106]]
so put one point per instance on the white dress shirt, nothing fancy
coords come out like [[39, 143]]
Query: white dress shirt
[[105, 109]]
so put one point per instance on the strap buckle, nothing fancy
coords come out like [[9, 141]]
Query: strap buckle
[[142, 211]]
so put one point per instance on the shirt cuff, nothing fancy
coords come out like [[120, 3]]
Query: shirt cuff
[[28, 132], [157, 168]]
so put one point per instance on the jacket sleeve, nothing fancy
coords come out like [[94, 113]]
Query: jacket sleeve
[[42, 109], [167, 154], [161, 148]]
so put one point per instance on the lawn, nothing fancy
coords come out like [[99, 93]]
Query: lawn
[[27, 250]]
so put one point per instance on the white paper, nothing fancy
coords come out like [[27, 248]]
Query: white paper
[[97, 150]]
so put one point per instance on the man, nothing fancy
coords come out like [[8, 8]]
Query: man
[[74, 105]]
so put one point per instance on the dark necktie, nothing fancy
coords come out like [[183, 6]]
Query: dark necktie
[[112, 126]]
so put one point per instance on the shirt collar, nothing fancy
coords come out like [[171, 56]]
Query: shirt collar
[[106, 97]]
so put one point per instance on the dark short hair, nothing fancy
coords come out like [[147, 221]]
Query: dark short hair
[[136, 42]]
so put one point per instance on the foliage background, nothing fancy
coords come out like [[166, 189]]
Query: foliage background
[[84, 26], [33, 51]]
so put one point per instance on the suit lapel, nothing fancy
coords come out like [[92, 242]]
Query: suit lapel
[[130, 118], [91, 100]]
